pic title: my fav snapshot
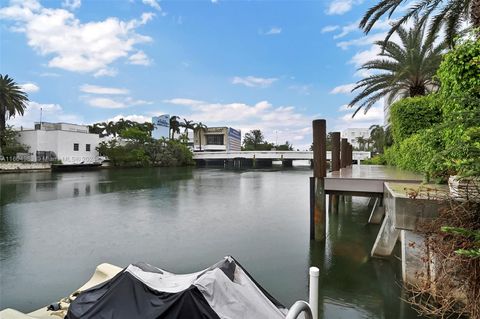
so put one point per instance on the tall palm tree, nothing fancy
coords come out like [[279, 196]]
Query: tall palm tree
[[377, 136], [13, 101], [361, 143], [174, 125], [188, 125], [408, 69], [200, 127], [448, 13]]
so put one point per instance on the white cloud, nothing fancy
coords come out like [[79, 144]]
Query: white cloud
[[184, 102], [114, 103], [139, 58], [106, 72], [133, 117], [273, 31], [253, 81], [72, 45], [50, 113], [106, 103], [344, 108], [152, 3], [94, 89], [373, 116], [29, 87], [365, 56], [343, 89], [330, 28], [341, 6], [49, 74], [72, 4], [282, 121], [301, 89], [363, 41], [347, 29]]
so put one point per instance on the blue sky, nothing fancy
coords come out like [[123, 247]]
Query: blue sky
[[273, 65]]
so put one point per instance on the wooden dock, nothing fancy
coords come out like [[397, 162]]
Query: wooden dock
[[366, 180]]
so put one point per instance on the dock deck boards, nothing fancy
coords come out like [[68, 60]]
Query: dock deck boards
[[366, 179]]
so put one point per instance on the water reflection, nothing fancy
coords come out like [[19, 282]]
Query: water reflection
[[55, 228], [353, 285]]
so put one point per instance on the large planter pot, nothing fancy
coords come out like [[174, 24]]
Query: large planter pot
[[464, 188]]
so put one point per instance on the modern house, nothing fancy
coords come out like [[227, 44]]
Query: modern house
[[351, 134], [217, 139], [69, 143]]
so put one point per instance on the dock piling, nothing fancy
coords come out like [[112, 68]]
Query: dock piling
[[335, 151], [343, 153], [319, 148]]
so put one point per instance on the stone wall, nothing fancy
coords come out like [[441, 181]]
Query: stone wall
[[21, 166]]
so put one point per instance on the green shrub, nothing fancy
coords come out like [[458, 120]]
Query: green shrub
[[378, 159], [411, 115]]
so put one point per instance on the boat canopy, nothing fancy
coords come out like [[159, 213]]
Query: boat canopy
[[224, 290]]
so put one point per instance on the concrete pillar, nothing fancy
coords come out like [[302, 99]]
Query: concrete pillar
[[414, 266], [343, 153], [319, 148], [287, 163], [386, 239], [335, 151], [261, 163], [377, 212]]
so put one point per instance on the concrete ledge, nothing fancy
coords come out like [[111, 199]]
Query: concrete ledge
[[7, 167]]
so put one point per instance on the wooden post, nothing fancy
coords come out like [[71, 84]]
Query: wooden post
[[335, 151], [350, 154], [343, 153], [312, 208], [319, 148]]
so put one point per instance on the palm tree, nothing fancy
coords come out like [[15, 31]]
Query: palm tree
[[448, 13], [361, 143], [409, 69], [188, 125], [377, 136], [200, 127], [13, 101], [174, 125]]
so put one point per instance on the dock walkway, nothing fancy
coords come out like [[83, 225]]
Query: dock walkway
[[366, 180]]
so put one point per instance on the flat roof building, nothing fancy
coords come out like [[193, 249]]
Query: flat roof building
[[224, 139], [69, 143], [351, 134]]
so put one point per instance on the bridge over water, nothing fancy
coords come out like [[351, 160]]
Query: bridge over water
[[244, 159]]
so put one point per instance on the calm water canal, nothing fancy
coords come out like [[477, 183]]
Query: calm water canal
[[56, 227]]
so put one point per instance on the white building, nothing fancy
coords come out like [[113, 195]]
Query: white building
[[223, 138], [351, 134], [69, 143]]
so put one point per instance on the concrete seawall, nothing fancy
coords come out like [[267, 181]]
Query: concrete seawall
[[7, 167]]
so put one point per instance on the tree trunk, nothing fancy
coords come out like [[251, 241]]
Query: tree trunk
[[200, 139], [475, 13], [417, 90], [3, 125]]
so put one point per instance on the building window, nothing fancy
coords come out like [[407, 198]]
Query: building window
[[215, 139], [75, 146], [87, 147]]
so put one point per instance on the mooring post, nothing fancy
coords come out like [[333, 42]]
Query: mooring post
[[335, 151], [319, 148], [318, 218], [343, 153], [312, 208], [349, 155]]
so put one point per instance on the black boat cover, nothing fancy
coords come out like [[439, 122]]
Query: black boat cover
[[224, 290]]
